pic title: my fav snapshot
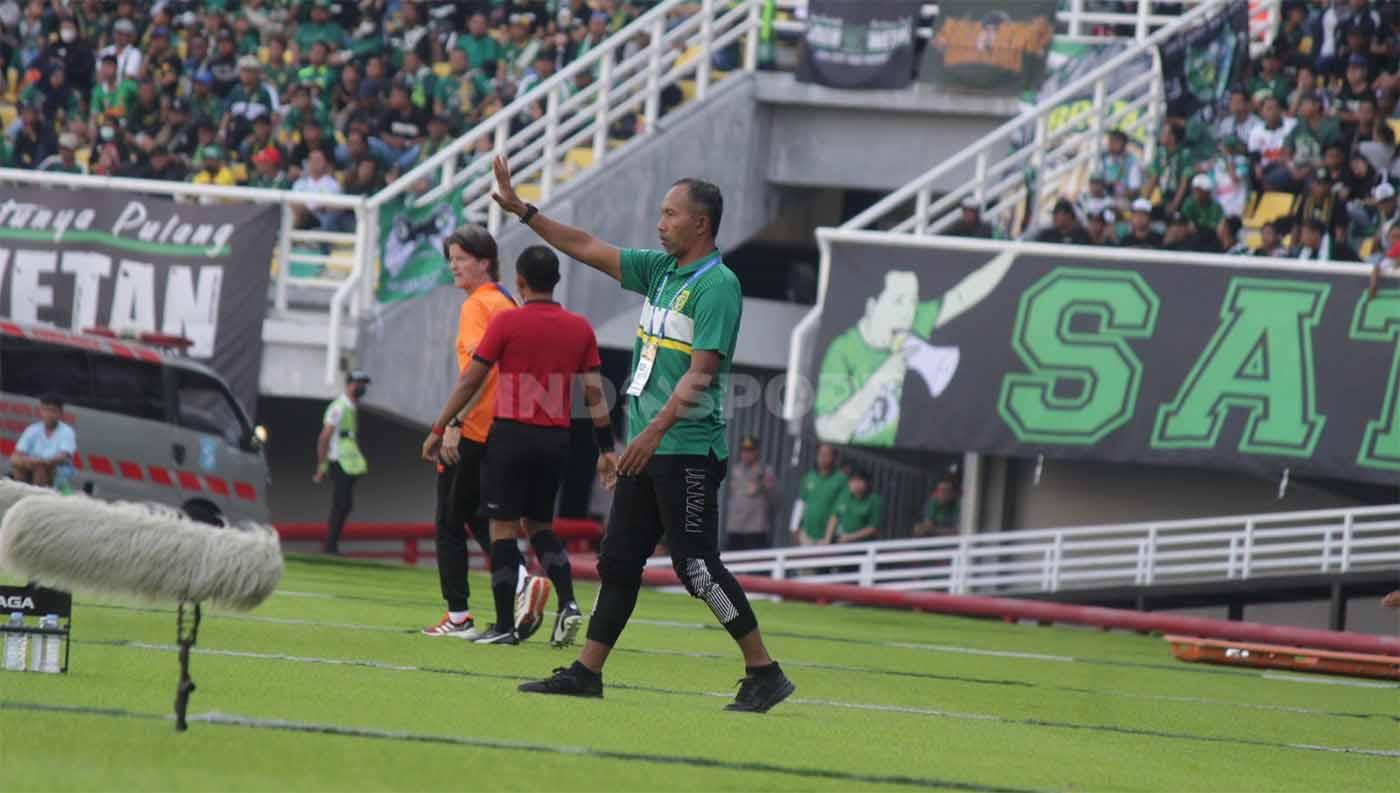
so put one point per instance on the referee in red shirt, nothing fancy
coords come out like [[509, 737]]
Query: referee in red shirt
[[536, 349]]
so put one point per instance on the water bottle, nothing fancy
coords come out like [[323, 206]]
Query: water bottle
[[48, 648], [16, 644]]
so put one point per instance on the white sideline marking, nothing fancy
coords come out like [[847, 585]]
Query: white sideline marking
[[864, 706], [1324, 681], [943, 648]]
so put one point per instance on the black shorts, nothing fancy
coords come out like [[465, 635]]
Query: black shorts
[[677, 496], [521, 470]]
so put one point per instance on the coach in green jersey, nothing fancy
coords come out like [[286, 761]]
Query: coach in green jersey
[[668, 477]]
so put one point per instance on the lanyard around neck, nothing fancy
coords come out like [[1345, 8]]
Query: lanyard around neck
[[661, 289]]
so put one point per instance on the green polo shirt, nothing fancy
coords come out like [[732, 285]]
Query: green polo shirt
[[853, 514], [704, 305], [819, 496]]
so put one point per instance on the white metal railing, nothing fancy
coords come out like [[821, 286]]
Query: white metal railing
[[341, 286], [1085, 21], [628, 79], [1052, 157], [1138, 554]]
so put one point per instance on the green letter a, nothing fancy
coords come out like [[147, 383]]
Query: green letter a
[[1260, 360], [1379, 320]]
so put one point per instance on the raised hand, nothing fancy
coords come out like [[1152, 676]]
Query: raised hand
[[505, 194]]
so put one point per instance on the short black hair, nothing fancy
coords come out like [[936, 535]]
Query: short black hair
[[706, 196], [52, 400], [1235, 224], [477, 241], [858, 473], [539, 267]]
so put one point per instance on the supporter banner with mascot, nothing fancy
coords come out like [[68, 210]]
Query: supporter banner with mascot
[[99, 258], [860, 44], [998, 47], [1132, 359], [410, 246], [1200, 65]]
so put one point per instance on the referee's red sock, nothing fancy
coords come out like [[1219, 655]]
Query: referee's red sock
[[505, 567]]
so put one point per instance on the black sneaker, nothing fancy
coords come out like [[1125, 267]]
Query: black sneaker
[[566, 625], [494, 636], [759, 693], [567, 681]]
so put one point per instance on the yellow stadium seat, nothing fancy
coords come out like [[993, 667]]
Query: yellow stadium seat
[[239, 171], [580, 157], [1394, 126], [529, 193], [442, 69], [688, 56], [1367, 247], [687, 89], [1270, 207], [83, 156], [1253, 239], [7, 115], [342, 260]]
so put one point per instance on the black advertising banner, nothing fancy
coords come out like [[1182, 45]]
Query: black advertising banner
[[1200, 65], [859, 44], [99, 258], [1118, 360], [993, 46]]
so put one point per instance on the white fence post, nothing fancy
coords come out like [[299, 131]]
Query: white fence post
[[1151, 555], [284, 257], [1346, 542], [1059, 554], [600, 129], [1144, 7], [867, 567], [493, 210], [1076, 18], [921, 203], [551, 145], [1230, 560], [654, 52], [707, 35], [780, 565], [1247, 555], [751, 37]]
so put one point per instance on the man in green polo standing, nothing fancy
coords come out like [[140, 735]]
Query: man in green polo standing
[[858, 513], [817, 496], [669, 475]]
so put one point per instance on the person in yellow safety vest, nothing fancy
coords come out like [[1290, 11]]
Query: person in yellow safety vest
[[338, 453]]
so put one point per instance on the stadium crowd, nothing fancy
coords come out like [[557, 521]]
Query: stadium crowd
[[320, 96], [1303, 163]]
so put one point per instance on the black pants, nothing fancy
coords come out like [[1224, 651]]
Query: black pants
[[458, 508], [746, 542], [676, 496], [342, 500]]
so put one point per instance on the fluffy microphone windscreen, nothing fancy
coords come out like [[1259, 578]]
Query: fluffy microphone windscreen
[[11, 492], [82, 544]]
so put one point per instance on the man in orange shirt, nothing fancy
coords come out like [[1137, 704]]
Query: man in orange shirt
[[472, 257]]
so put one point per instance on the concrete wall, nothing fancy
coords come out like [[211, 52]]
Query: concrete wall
[[1081, 493], [871, 140], [409, 346]]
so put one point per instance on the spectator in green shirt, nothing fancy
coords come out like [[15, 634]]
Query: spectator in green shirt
[[1270, 78], [278, 71], [483, 52], [1170, 168], [1201, 208], [320, 28], [817, 496], [858, 513], [460, 93], [113, 94], [941, 513], [1313, 133], [267, 170], [317, 71]]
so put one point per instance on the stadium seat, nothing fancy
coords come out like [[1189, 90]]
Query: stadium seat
[[1368, 246], [239, 171], [529, 192], [1253, 239], [1394, 126], [1270, 207], [7, 115], [580, 157], [687, 89]]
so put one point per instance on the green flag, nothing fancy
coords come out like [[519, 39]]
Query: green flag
[[410, 246]]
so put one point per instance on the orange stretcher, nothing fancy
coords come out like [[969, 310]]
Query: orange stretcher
[[1275, 656]]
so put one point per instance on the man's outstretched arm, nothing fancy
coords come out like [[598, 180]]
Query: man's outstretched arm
[[572, 242]]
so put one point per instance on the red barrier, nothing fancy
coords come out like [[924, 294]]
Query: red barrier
[[578, 535], [1040, 611]]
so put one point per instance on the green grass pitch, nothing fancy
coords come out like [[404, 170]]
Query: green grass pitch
[[327, 686]]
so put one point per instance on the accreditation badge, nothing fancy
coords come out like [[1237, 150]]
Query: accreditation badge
[[642, 373]]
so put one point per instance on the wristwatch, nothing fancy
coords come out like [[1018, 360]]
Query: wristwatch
[[455, 422], [530, 211]]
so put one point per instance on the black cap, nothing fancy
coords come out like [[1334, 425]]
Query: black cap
[[1063, 205], [358, 376]]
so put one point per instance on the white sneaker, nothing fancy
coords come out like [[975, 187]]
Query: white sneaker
[[466, 629]]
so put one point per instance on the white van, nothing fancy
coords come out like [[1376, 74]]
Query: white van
[[149, 426]]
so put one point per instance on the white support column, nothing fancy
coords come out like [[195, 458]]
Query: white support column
[[1144, 7], [551, 144], [654, 52], [707, 36], [1076, 14], [971, 493], [1102, 110], [979, 189], [921, 203], [600, 122], [284, 255], [369, 283]]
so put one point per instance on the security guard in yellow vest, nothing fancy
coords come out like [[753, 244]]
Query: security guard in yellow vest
[[338, 453]]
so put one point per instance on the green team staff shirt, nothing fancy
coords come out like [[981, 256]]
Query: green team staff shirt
[[849, 362], [853, 514], [706, 317], [819, 496]]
